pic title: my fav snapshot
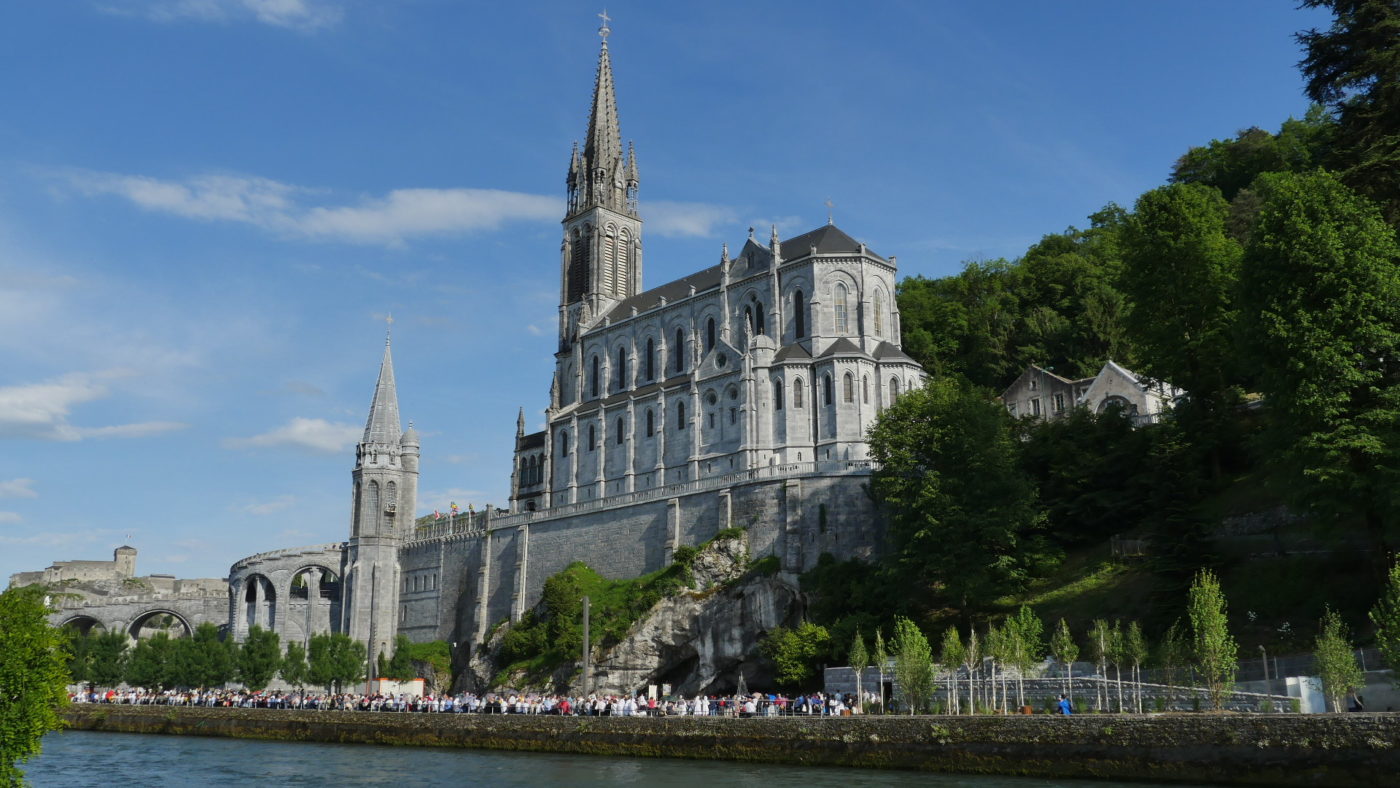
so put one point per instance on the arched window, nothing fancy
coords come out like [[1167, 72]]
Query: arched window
[[838, 309], [592, 438], [848, 388], [578, 265], [371, 509], [678, 352], [651, 359], [799, 316], [797, 393], [680, 415], [865, 389], [621, 368], [878, 324], [777, 395], [759, 323], [651, 423], [826, 389], [609, 261], [563, 444], [622, 269], [593, 375], [709, 335], [894, 390], [620, 430]]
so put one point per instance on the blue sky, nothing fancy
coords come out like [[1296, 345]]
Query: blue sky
[[208, 207]]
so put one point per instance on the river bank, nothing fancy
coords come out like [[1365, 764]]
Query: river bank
[[1232, 749]]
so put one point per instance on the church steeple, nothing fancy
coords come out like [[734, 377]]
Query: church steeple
[[383, 425], [602, 249]]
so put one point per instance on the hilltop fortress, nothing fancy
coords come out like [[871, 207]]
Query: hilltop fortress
[[739, 395]]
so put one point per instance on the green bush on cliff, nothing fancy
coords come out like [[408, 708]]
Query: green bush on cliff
[[551, 635]]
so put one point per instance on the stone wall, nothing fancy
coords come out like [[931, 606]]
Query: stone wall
[[475, 579], [1231, 749]]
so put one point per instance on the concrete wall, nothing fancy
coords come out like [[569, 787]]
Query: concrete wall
[[1282, 749]]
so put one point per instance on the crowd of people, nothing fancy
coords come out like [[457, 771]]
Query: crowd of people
[[594, 705]]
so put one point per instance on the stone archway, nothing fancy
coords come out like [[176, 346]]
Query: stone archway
[[259, 601], [157, 620], [83, 625], [313, 602]]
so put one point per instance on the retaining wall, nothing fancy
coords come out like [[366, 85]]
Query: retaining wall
[[1233, 749]]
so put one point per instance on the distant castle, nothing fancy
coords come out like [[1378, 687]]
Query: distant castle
[[737, 396]]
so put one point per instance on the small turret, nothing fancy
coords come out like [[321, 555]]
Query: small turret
[[520, 424]]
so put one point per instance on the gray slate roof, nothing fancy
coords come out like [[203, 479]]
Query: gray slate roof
[[886, 351]]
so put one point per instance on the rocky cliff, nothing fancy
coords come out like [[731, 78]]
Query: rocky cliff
[[698, 639]]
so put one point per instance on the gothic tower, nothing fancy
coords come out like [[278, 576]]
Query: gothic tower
[[384, 500], [602, 247]]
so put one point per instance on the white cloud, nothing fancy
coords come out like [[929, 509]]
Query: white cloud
[[316, 435], [534, 329], [40, 410], [10, 517], [18, 488], [686, 219], [305, 15], [288, 211], [262, 508]]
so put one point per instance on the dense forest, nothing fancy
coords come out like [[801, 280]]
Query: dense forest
[[1262, 278]]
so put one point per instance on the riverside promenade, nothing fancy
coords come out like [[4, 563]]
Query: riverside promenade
[[1226, 749]]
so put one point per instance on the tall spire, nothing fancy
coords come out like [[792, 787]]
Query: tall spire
[[383, 425], [603, 177]]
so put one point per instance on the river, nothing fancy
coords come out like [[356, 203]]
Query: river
[[83, 758]]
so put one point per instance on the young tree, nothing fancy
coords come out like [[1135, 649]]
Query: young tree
[[1213, 647], [859, 660], [1320, 321], [294, 669], [1066, 651], [401, 667], [951, 655], [1174, 653], [78, 646], [1028, 638], [964, 519], [1385, 617], [881, 655], [1135, 650], [997, 646], [1101, 646], [259, 658], [1336, 660], [913, 665], [33, 678], [972, 659], [1117, 655], [335, 660]]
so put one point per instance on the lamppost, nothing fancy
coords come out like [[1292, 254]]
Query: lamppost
[[1264, 658]]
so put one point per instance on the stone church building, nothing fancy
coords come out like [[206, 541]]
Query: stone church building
[[739, 395]]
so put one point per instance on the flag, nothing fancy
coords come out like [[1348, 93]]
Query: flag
[[437, 515], [454, 507]]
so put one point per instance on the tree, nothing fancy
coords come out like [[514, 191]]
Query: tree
[[33, 677], [1213, 647], [1135, 651], [1174, 653], [859, 660], [259, 657], [294, 668], [913, 666], [999, 647], [1066, 651], [79, 650], [107, 658], [335, 660], [1354, 67], [951, 656], [151, 663], [202, 660], [1320, 299], [794, 652], [1385, 617], [400, 667], [1101, 647], [1336, 660], [881, 655], [972, 658], [1180, 274], [964, 520], [1028, 644]]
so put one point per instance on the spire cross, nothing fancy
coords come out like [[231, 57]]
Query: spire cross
[[605, 30], [829, 205], [388, 327]]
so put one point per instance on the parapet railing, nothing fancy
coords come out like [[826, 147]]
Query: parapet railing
[[478, 523], [287, 552]]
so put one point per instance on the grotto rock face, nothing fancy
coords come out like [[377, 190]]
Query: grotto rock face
[[702, 639], [698, 640]]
